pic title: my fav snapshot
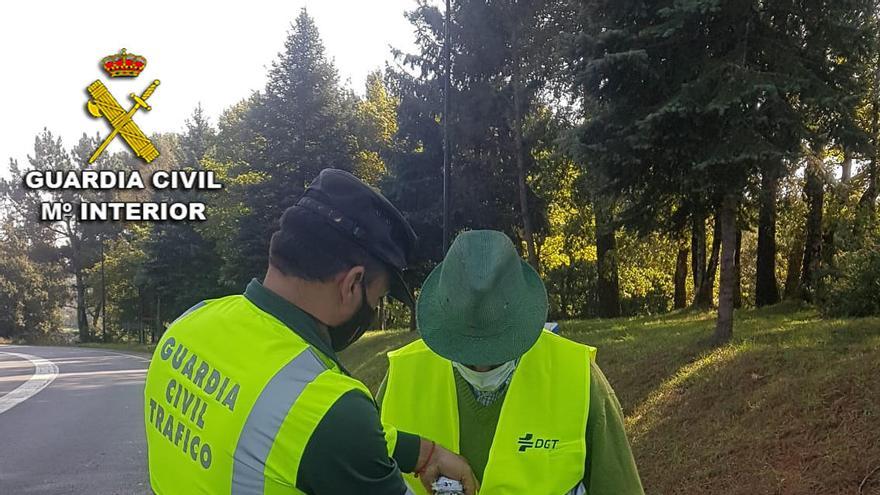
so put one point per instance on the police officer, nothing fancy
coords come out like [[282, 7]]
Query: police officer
[[245, 394]]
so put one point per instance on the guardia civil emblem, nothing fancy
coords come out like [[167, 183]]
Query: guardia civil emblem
[[103, 105]]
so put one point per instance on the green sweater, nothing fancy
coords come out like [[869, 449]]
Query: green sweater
[[610, 468]]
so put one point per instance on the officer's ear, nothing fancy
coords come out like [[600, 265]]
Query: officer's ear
[[350, 285]]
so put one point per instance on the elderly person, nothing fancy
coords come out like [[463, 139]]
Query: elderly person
[[530, 410]]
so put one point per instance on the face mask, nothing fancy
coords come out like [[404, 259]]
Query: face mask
[[486, 381], [345, 334]]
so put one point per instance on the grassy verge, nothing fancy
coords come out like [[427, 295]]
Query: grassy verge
[[113, 346], [790, 406]]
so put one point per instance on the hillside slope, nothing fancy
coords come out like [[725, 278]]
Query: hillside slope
[[790, 406]]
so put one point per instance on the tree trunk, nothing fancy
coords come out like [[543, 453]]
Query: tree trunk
[[846, 170], [706, 294], [698, 251], [814, 192], [680, 278], [829, 247], [727, 219], [518, 111], [158, 327], [737, 288], [868, 201], [97, 315], [142, 337], [766, 288], [82, 318], [608, 286], [793, 274], [82, 315], [565, 295]]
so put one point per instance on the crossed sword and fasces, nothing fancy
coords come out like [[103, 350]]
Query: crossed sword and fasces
[[103, 104]]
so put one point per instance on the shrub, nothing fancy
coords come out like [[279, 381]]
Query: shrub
[[855, 289]]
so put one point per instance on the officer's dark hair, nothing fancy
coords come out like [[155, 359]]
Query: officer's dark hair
[[308, 247]]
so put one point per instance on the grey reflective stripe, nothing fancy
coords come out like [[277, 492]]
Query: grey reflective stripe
[[265, 418], [409, 491], [580, 489], [190, 310]]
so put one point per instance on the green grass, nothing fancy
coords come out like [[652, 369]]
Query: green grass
[[53, 340], [791, 405]]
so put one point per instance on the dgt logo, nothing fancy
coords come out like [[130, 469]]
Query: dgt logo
[[528, 441]]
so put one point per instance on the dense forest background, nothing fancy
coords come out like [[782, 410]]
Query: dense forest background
[[646, 157]]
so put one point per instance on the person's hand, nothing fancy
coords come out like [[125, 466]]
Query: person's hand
[[437, 461]]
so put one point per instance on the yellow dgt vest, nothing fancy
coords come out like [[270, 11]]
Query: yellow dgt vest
[[232, 397], [539, 445]]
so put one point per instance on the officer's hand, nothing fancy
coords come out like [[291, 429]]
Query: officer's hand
[[445, 463]]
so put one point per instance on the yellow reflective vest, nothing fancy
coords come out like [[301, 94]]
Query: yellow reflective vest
[[539, 445], [232, 397]]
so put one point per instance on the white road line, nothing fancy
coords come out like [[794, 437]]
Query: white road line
[[45, 372], [110, 372], [95, 351], [125, 354]]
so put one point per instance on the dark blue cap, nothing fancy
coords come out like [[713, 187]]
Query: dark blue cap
[[365, 216]]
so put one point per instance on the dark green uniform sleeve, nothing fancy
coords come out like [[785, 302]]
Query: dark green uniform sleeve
[[347, 452], [406, 452], [610, 469]]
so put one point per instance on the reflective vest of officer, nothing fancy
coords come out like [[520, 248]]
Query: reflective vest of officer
[[539, 445], [232, 397]]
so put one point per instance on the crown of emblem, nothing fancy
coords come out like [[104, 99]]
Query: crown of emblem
[[123, 64]]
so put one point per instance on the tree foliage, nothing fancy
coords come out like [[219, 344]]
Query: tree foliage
[[693, 97], [611, 140], [32, 293]]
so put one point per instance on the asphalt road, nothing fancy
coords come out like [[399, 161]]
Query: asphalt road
[[81, 432]]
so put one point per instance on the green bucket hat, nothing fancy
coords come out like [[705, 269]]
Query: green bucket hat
[[483, 304]]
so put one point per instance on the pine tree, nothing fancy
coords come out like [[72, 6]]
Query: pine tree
[[197, 140], [303, 123], [180, 264], [693, 96], [414, 182], [504, 59]]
